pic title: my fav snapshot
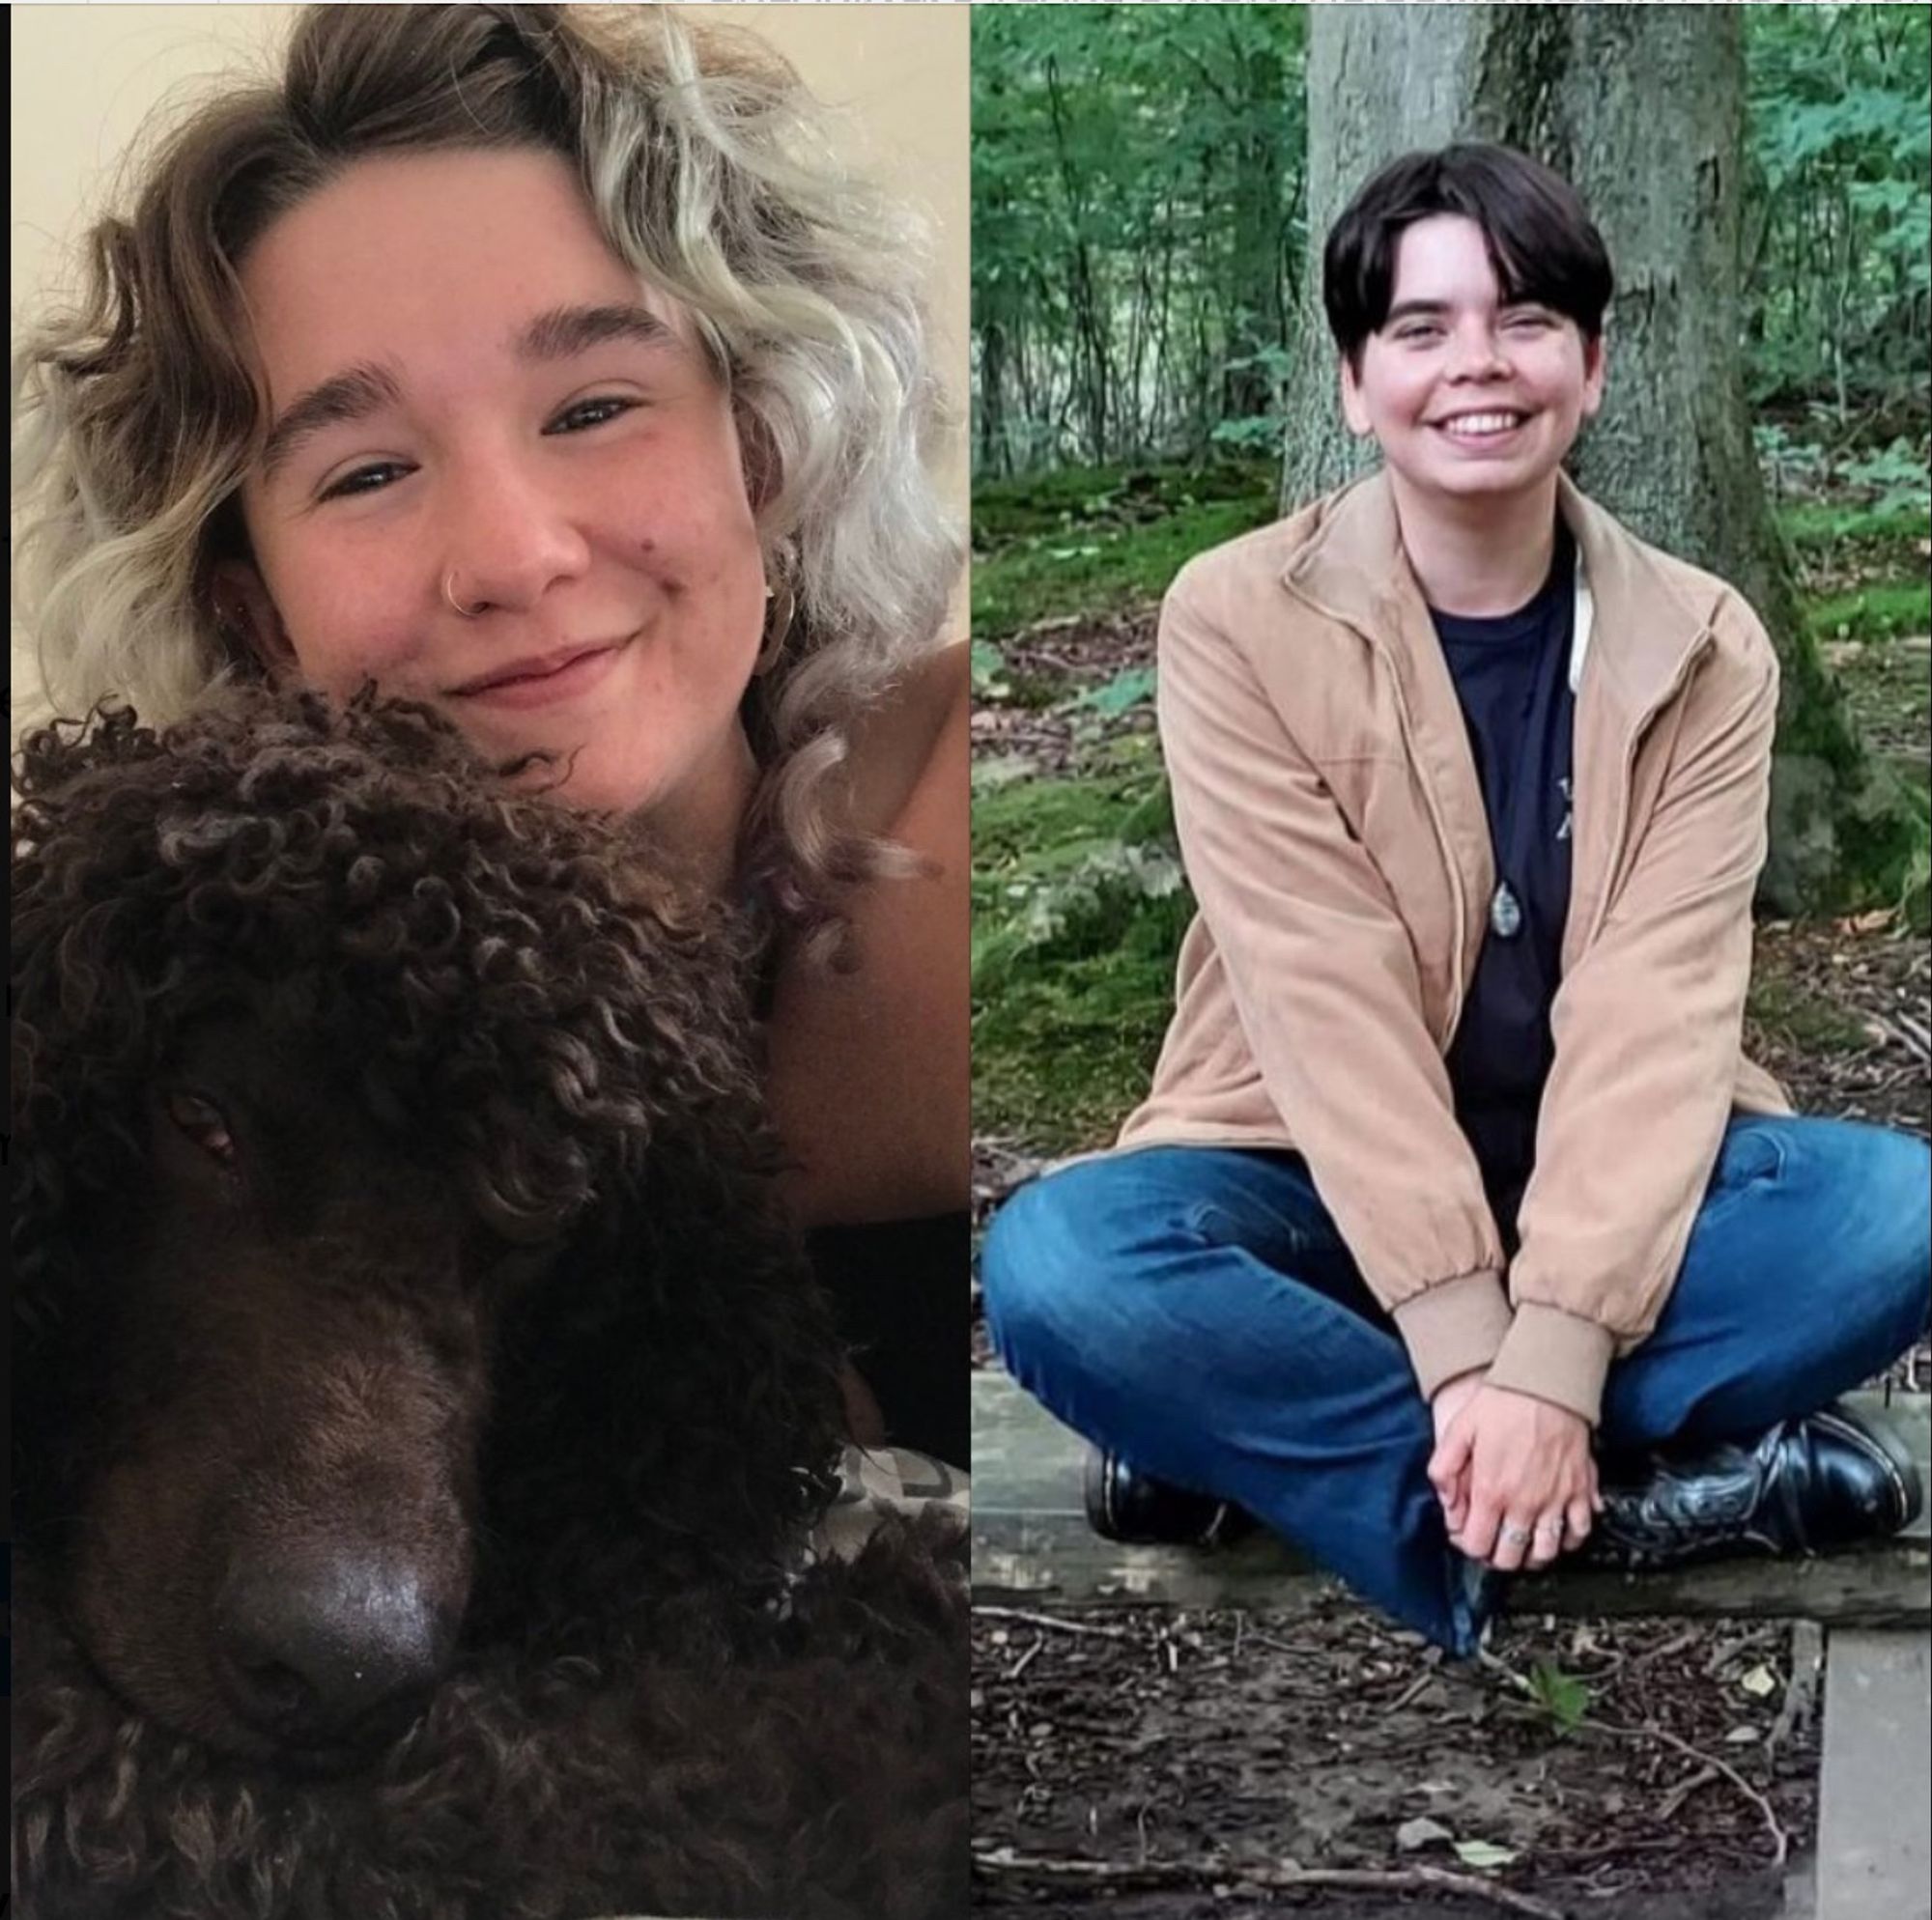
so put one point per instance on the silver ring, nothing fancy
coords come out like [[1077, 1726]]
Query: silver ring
[[1552, 1532], [1515, 1536], [449, 593]]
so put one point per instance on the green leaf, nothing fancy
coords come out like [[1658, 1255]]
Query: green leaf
[[1562, 1696]]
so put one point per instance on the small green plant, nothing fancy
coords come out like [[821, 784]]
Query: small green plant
[[1895, 475], [1561, 1698]]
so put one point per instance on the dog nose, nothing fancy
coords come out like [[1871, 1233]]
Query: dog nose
[[343, 1654]]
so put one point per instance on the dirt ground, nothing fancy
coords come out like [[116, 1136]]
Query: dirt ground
[[1209, 1760], [1158, 1764]]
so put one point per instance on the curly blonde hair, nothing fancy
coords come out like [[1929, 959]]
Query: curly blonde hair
[[138, 411]]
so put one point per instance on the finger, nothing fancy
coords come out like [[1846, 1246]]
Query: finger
[[1455, 1503], [1478, 1537], [1514, 1536], [1580, 1518], [1545, 1538], [1447, 1462]]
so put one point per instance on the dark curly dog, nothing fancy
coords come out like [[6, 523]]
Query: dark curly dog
[[421, 1407]]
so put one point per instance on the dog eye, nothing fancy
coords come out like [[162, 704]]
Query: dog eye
[[204, 1123]]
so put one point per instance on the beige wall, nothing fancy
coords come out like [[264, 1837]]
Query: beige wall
[[85, 77]]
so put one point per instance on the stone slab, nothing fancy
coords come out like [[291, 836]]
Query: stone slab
[[1875, 1797], [1031, 1541]]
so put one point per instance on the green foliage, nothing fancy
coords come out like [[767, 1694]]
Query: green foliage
[[1096, 540], [1136, 186], [1801, 1021], [1078, 908], [1876, 612], [1065, 499], [1139, 221], [1563, 1698], [1836, 206], [1819, 527], [1102, 572], [1896, 474]]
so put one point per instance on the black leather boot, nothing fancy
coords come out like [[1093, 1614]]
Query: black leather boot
[[1827, 1481], [1131, 1507]]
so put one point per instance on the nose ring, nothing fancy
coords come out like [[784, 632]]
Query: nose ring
[[449, 594]]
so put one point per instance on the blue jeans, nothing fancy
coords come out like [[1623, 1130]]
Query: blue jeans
[[1195, 1311]]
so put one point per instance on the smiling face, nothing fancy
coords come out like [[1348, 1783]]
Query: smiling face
[[468, 389], [1473, 398]]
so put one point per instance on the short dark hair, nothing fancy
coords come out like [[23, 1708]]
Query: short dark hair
[[1541, 240]]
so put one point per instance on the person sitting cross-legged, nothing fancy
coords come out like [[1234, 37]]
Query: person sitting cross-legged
[[1455, 1230]]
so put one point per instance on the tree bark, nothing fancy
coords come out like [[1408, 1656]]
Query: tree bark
[[1641, 108], [1254, 268]]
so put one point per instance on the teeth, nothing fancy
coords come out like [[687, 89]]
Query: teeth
[[1482, 423]]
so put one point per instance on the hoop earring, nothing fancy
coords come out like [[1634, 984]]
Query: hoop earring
[[779, 612], [463, 612]]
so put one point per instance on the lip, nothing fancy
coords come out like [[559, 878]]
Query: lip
[[543, 679]]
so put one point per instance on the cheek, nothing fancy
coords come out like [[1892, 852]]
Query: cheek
[[339, 649]]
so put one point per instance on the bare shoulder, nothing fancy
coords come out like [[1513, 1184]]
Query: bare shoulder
[[869, 1068], [907, 750]]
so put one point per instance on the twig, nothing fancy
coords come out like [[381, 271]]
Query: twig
[[1410, 1692], [1047, 1619], [1915, 1037], [1271, 1880], [1780, 1843], [1026, 1659], [1682, 1790]]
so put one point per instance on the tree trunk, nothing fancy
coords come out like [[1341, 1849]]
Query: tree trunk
[[1641, 107], [1254, 268]]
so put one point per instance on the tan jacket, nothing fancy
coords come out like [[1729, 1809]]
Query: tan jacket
[[1333, 828]]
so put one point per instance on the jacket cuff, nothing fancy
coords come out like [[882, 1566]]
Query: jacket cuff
[[1555, 1356], [1453, 1327]]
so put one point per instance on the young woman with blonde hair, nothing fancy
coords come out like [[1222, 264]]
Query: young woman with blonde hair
[[537, 362]]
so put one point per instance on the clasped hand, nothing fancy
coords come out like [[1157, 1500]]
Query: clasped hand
[[1514, 1474]]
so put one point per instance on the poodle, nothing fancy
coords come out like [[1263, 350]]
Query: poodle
[[423, 1414]]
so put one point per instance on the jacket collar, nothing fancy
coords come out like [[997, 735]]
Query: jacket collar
[[1638, 620]]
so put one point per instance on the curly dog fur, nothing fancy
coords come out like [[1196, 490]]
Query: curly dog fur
[[391, 1190]]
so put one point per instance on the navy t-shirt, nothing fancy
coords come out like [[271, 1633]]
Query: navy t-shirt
[[1512, 674]]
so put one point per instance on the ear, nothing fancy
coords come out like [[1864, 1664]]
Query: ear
[[757, 460], [247, 618], [1355, 410], [1593, 377]]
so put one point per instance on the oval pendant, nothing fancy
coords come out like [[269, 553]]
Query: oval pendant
[[1505, 915]]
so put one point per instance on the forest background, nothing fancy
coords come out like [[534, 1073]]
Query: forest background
[[1148, 380], [1140, 249]]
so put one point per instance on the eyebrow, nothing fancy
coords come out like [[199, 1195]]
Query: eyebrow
[[356, 393], [1435, 309]]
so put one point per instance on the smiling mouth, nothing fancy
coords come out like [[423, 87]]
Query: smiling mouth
[[542, 682], [532, 671], [1490, 425]]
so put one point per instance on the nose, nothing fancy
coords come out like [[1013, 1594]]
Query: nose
[[1478, 354], [506, 541], [344, 1653]]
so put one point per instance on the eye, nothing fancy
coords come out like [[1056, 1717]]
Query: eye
[[204, 1123], [349, 486]]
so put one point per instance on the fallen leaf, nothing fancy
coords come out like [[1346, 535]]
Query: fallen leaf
[[1742, 1737], [1484, 1853], [1760, 1681], [1421, 1832]]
